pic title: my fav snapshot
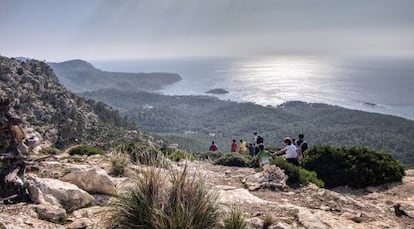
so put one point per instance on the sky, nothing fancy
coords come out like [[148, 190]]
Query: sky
[[57, 30]]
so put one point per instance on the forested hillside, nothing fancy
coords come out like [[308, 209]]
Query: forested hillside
[[180, 118]]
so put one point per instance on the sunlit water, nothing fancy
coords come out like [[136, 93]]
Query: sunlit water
[[376, 85]]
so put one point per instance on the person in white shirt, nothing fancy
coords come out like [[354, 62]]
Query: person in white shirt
[[290, 151]]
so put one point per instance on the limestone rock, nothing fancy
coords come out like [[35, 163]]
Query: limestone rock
[[91, 180], [69, 196], [238, 196], [255, 223], [272, 177], [49, 212]]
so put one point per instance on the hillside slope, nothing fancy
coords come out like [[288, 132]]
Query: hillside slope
[[62, 118], [180, 118], [79, 75]]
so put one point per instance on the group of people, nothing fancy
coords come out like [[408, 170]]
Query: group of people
[[293, 150]]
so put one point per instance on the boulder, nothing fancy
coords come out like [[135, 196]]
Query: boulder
[[49, 212], [272, 177], [46, 190], [91, 180]]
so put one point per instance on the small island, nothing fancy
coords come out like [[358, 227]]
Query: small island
[[217, 91]]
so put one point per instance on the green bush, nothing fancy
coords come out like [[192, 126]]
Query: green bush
[[119, 164], [297, 175], [235, 220], [143, 154], [150, 203], [85, 150], [356, 167], [233, 159]]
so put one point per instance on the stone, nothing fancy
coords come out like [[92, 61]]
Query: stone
[[49, 212], [91, 180], [238, 196], [280, 225], [272, 177], [69, 196], [255, 223], [79, 223]]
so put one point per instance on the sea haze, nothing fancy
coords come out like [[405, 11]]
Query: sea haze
[[382, 85]]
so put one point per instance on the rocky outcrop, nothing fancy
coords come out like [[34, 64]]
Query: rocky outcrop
[[56, 192], [58, 116], [92, 180]]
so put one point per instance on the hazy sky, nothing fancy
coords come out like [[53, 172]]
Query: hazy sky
[[115, 29]]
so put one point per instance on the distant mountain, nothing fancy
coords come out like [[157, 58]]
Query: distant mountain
[[42, 103], [80, 76], [204, 118]]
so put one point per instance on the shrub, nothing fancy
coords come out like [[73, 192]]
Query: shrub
[[235, 220], [297, 175], [150, 203], [119, 164], [85, 150], [143, 154], [233, 159], [356, 167]]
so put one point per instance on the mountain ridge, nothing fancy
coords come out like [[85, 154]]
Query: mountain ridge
[[79, 75]]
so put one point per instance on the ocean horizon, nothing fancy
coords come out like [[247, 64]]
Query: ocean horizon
[[380, 85]]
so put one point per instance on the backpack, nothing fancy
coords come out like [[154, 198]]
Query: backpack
[[259, 139]]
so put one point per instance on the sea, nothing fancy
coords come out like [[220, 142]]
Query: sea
[[380, 85]]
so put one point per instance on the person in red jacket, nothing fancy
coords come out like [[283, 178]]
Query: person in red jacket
[[233, 146], [213, 147]]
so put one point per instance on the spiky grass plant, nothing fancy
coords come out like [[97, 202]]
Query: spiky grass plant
[[143, 154], [174, 200], [235, 220], [268, 221], [119, 164]]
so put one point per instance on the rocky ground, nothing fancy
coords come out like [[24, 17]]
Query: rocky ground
[[71, 192]]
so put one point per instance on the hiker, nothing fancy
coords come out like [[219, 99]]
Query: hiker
[[263, 156], [213, 147], [259, 140], [301, 145], [233, 147], [243, 147], [251, 149], [290, 152]]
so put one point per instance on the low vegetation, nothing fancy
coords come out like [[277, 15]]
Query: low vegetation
[[356, 167], [150, 203], [85, 150], [233, 159]]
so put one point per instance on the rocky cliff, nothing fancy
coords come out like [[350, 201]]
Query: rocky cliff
[[47, 110]]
